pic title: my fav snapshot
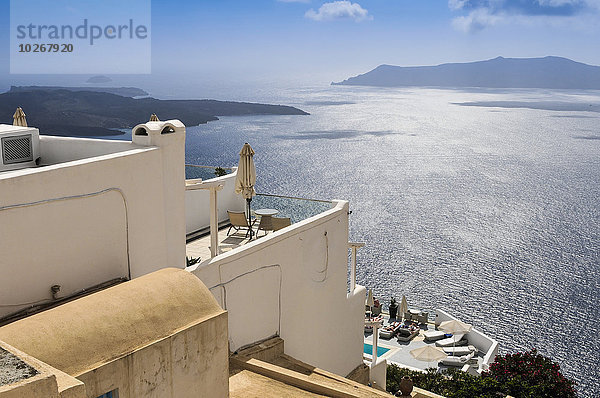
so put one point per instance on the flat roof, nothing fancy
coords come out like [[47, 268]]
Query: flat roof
[[6, 128]]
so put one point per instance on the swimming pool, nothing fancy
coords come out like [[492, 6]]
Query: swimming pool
[[368, 349]]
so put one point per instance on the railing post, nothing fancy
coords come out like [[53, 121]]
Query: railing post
[[214, 228], [354, 246]]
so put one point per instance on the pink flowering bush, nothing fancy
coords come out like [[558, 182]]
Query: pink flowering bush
[[521, 375], [530, 374]]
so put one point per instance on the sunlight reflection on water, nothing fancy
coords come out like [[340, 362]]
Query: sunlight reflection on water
[[491, 213]]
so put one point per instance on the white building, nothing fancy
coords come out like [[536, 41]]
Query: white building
[[95, 213]]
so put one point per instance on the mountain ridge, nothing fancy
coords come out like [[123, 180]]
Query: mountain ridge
[[550, 72], [93, 113]]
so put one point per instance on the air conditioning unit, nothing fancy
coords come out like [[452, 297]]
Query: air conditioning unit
[[19, 147]]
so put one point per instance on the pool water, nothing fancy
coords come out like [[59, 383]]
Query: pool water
[[380, 350]]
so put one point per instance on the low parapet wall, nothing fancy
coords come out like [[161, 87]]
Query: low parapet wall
[[481, 341]]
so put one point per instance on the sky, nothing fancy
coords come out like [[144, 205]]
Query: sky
[[238, 40]]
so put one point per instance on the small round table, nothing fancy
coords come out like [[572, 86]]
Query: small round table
[[266, 212], [266, 224]]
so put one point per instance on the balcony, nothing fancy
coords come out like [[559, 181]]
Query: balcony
[[198, 217]]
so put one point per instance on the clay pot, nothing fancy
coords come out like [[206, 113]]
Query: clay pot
[[406, 386]]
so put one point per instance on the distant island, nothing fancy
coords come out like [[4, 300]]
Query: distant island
[[123, 91], [547, 72], [74, 112], [99, 79]]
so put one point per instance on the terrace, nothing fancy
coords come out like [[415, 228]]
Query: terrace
[[198, 230], [398, 352]]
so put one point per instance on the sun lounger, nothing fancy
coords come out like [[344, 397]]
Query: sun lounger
[[389, 331], [456, 340], [458, 351], [407, 334], [459, 361], [433, 335]]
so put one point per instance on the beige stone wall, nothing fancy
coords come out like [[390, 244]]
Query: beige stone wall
[[190, 363]]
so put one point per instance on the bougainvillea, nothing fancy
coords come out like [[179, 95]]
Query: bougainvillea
[[521, 375], [530, 374]]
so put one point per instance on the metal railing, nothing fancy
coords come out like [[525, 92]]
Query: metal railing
[[296, 208]]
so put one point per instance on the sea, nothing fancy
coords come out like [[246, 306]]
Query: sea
[[482, 202]]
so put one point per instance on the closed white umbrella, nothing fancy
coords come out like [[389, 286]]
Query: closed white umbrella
[[246, 178], [19, 118], [403, 306], [428, 354], [154, 118]]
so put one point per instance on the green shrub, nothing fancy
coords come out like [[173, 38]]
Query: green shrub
[[219, 171], [521, 375], [191, 261]]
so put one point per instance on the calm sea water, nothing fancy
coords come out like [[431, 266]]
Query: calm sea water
[[490, 213]]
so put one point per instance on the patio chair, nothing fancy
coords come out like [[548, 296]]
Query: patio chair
[[265, 224], [423, 317], [238, 220], [280, 222]]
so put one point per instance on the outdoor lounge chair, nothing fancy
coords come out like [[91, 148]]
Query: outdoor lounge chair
[[456, 340], [458, 361], [389, 331], [407, 334], [458, 351], [280, 222], [433, 335], [238, 221]]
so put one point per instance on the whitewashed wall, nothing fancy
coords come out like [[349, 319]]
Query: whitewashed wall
[[83, 222], [197, 203], [294, 283]]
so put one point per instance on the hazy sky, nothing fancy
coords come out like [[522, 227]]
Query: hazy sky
[[312, 39]]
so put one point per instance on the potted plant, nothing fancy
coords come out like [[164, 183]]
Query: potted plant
[[393, 309]]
